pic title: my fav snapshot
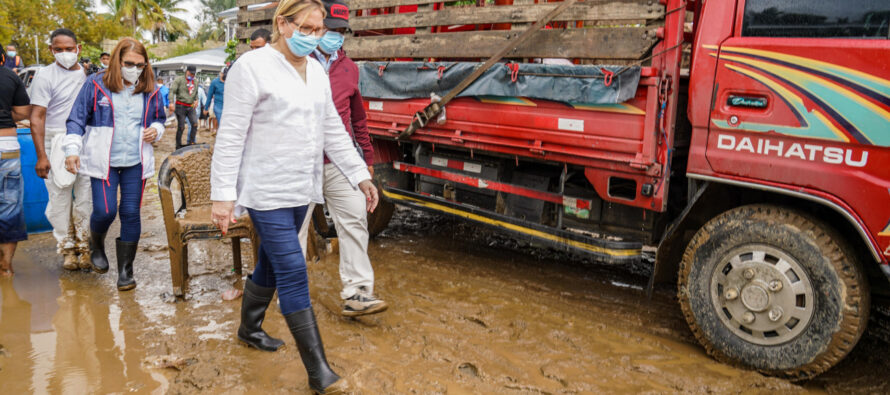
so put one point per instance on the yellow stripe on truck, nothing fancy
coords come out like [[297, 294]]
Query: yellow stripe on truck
[[514, 227]]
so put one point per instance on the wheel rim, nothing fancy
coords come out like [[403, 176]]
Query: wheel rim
[[762, 295]]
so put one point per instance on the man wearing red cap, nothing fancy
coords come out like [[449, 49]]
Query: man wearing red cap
[[345, 204]]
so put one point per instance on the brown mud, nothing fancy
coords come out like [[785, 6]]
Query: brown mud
[[470, 312]]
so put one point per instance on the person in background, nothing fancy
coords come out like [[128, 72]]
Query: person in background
[[279, 121], [203, 123], [215, 95], [164, 92], [14, 107], [104, 58], [260, 38], [116, 117], [88, 67], [53, 92], [13, 60], [345, 204], [183, 100]]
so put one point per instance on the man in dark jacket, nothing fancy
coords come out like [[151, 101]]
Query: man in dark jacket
[[183, 100], [345, 204]]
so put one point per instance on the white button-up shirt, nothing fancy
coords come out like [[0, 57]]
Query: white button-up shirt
[[274, 133]]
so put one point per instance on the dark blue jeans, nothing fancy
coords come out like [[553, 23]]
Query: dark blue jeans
[[105, 207], [281, 264]]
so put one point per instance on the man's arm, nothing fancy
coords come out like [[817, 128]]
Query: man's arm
[[360, 132], [20, 113], [173, 88], [38, 134]]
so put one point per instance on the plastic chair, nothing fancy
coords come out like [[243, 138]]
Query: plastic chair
[[191, 167]]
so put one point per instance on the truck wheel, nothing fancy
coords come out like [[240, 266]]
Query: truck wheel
[[772, 289], [377, 221]]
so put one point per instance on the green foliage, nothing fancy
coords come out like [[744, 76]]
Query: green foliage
[[231, 49], [23, 20], [186, 48], [91, 52]]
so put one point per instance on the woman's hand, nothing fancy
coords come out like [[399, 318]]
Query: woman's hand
[[72, 164], [221, 214], [149, 135], [367, 187]]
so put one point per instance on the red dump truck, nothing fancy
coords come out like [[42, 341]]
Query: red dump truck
[[746, 139]]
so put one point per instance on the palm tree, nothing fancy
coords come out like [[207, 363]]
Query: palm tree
[[160, 19], [129, 11]]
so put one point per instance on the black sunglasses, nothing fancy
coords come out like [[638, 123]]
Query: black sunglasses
[[139, 66]]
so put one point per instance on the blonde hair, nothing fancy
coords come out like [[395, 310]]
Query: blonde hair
[[290, 8]]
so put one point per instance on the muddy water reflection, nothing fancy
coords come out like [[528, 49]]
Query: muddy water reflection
[[61, 332]]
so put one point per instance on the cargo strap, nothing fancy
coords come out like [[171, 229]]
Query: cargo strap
[[421, 118]]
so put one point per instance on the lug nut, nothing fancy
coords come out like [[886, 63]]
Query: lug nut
[[775, 285], [748, 317], [749, 273], [775, 314], [731, 294]]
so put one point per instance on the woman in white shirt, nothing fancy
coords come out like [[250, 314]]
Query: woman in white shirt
[[279, 121]]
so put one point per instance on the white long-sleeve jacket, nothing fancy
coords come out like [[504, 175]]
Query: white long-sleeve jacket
[[274, 132]]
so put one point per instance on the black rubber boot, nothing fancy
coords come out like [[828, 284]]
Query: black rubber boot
[[97, 255], [126, 253], [254, 303], [322, 379]]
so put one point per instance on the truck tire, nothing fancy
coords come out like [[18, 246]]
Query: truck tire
[[772, 289], [377, 221]]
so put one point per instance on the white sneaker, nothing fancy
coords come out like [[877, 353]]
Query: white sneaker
[[362, 303]]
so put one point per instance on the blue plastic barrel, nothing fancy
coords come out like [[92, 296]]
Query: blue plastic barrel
[[35, 190]]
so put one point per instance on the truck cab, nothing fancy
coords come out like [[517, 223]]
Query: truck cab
[[789, 110]]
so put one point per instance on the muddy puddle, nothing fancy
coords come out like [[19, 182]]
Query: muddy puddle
[[470, 312]]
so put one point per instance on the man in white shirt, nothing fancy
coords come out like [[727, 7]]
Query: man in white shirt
[[53, 91]]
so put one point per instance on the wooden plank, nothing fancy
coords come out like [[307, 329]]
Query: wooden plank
[[245, 3], [256, 15], [613, 43], [242, 48], [245, 32], [366, 4], [585, 11], [371, 4]]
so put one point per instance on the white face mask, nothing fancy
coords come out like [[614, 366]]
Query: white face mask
[[66, 59], [131, 74]]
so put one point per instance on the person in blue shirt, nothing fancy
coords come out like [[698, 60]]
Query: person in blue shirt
[[116, 117], [215, 96], [164, 92]]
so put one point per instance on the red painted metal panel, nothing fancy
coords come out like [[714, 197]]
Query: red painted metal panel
[[824, 129]]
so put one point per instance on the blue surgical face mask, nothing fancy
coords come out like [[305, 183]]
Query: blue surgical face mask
[[11, 53], [301, 44], [331, 42]]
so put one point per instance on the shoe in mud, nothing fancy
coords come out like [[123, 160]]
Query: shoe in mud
[[83, 262], [70, 261], [362, 304]]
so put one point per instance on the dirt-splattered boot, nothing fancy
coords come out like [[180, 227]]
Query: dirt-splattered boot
[[69, 261], [126, 253], [83, 261], [254, 303], [322, 379], [98, 259]]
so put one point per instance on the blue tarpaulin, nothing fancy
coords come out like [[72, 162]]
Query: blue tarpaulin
[[562, 83]]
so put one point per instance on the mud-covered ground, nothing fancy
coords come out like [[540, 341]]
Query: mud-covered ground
[[470, 312]]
